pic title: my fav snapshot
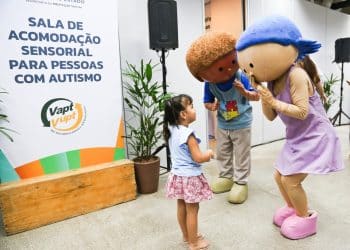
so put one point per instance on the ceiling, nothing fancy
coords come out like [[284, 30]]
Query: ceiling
[[337, 5]]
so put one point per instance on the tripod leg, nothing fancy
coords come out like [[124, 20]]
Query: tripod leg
[[334, 118], [168, 159]]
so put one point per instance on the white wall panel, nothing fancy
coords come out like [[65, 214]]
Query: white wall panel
[[134, 45], [311, 20]]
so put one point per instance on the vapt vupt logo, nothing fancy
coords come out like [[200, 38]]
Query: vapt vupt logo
[[62, 115]]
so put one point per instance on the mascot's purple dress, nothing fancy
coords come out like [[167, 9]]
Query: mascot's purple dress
[[312, 146]]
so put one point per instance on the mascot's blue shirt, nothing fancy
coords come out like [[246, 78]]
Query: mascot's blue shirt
[[234, 111]]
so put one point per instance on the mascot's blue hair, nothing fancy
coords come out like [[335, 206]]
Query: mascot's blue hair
[[276, 29]]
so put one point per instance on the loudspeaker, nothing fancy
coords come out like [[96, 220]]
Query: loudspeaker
[[342, 50], [162, 22]]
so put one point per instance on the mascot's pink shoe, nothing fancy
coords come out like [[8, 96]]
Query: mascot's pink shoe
[[281, 214], [295, 227]]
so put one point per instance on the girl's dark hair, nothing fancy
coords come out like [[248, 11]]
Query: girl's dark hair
[[172, 110]]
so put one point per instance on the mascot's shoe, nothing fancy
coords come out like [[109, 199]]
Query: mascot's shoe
[[221, 185], [238, 193], [281, 214], [295, 227]]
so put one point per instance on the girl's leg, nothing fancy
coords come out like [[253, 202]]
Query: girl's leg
[[296, 193], [192, 222], [278, 179], [181, 218]]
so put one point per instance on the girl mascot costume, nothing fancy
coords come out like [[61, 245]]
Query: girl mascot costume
[[267, 52]]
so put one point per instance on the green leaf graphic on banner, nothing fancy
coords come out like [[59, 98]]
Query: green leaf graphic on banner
[[119, 153], [55, 163], [73, 159]]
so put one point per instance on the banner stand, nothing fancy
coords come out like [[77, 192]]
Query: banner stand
[[38, 201]]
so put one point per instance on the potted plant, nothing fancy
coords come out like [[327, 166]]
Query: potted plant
[[144, 99], [328, 85]]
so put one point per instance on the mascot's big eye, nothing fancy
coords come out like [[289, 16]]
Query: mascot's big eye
[[221, 69], [233, 62], [244, 71], [251, 65]]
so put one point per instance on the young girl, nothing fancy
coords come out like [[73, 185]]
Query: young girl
[[186, 182]]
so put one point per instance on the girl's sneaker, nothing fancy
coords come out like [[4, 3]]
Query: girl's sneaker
[[281, 214]]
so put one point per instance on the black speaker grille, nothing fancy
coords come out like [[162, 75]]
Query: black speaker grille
[[342, 50], [162, 21]]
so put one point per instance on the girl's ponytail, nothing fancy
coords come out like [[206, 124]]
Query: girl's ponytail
[[172, 110], [167, 120]]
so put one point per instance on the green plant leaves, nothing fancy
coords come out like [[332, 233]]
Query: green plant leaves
[[148, 72], [144, 99], [328, 85]]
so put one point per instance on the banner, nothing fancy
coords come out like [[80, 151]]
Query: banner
[[59, 62]]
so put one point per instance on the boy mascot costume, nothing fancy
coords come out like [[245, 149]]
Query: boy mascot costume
[[212, 58], [267, 52]]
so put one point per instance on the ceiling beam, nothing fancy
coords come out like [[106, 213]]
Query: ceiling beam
[[339, 5]]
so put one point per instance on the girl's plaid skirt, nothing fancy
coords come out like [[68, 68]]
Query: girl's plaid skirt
[[191, 189]]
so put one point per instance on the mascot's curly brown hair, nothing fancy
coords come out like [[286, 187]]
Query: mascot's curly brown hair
[[207, 49]]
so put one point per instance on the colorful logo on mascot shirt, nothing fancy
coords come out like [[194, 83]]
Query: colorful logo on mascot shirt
[[231, 110], [62, 115]]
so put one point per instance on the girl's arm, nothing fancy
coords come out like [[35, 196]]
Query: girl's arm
[[196, 153]]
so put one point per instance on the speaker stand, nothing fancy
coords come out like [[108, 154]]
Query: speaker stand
[[164, 145], [340, 111]]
